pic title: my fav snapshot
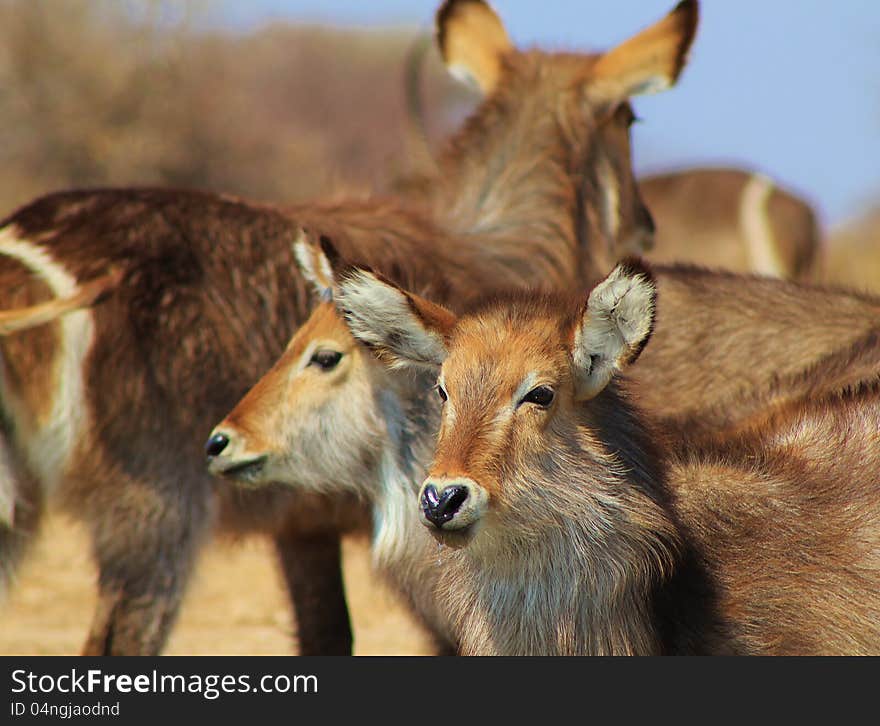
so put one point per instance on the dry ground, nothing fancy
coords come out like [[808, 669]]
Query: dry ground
[[235, 604]]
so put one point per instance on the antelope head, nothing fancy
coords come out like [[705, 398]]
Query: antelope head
[[325, 416], [527, 405]]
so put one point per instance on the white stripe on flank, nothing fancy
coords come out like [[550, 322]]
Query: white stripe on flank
[[49, 446], [754, 220]]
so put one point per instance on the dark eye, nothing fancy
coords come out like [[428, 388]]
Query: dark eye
[[326, 360], [442, 393], [540, 396]]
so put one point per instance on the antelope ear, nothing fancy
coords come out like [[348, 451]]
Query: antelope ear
[[652, 60], [402, 328], [318, 261], [615, 326], [472, 41]]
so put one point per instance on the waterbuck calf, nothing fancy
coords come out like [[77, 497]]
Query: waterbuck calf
[[106, 408], [570, 529]]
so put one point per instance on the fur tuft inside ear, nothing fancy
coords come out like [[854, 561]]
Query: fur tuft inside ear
[[402, 328], [315, 263], [472, 41], [616, 324]]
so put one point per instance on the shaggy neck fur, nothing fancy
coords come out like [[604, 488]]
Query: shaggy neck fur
[[402, 550], [521, 171]]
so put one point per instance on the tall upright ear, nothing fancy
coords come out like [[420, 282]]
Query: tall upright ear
[[472, 41], [615, 326], [316, 256], [403, 328], [652, 60]]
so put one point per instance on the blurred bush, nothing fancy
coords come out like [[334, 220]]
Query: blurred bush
[[110, 92]]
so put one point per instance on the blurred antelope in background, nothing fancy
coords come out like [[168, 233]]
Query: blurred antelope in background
[[105, 408], [734, 220], [570, 527]]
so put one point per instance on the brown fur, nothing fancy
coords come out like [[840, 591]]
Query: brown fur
[[727, 346]]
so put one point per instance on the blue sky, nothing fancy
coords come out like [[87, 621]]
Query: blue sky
[[788, 87]]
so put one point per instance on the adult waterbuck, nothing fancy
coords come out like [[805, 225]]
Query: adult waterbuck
[[572, 529], [106, 407]]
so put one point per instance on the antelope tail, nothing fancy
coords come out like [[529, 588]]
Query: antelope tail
[[91, 292]]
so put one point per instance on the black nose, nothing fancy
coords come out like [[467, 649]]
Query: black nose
[[216, 444], [439, 509]]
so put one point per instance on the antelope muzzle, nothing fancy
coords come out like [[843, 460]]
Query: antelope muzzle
[[227, 456], [451, 508]]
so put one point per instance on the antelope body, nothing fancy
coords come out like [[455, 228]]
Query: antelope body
[[571, 529]]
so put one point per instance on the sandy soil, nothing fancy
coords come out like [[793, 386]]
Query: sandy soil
[[235, 605]]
